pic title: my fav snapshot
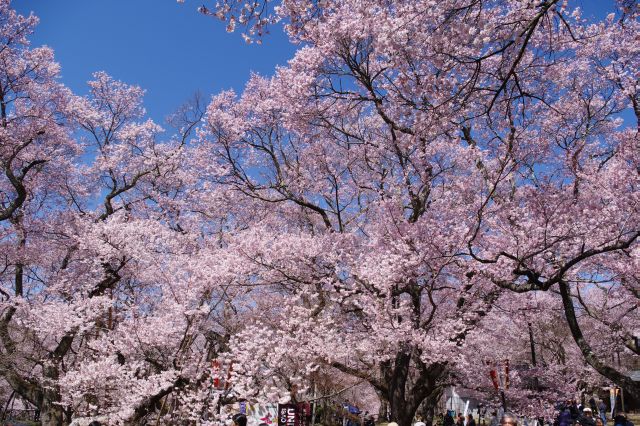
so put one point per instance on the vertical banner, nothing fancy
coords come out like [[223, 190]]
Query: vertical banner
[[288, 415], [466, 410], [215, 373], [494, 379], [304, 413], [506, 374], [613, 393]]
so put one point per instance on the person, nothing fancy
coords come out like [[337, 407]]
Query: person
[[587, 418], [593, 405], [369, 421], [508, 419], [448, 420], [602, 411], [599, 421], [621, 420], [470, 420], [565, 418], [460, 421], [419, 422], [493, 421], [239, 420], [573, 407], [353, 413]]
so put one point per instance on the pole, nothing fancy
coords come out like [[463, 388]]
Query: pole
[[504, 401], [533, 346], [466, 411], [621, 390], [313, 409], [532, 343]]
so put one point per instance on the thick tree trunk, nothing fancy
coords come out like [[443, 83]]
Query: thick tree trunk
[[383, 411], [410, 386], [405, 383], [46, 400], [51, 415], [402, 412]]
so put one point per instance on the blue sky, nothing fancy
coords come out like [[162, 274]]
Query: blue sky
[[167, 48]]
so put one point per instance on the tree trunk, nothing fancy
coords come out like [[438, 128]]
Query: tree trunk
[[428, 413], [402, 412], [405, 383], [383, 411], [407, 390], [51, 415], [608, 371]]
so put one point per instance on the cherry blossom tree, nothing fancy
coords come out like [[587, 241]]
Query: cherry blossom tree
[[91, 233], [532, 363], [424, 153], [425, 187], [37, 151]]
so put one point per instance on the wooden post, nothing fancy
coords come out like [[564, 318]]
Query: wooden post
[[313, 408]]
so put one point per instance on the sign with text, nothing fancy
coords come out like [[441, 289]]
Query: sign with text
[[288, 415]]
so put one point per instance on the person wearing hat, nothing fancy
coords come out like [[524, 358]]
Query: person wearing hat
[[587, 417]]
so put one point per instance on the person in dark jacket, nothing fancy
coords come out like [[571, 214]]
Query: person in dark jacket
[[573, 407], [470, 420], [565, 418], [448, 420], [621, 420], [587, 418]]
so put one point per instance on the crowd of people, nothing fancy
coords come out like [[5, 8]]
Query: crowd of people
[[572, 413]]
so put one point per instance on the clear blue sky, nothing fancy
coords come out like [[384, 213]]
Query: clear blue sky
[[167, 48]]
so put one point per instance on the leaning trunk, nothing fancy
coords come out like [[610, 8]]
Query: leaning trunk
[[51, 412], [619, 378]]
